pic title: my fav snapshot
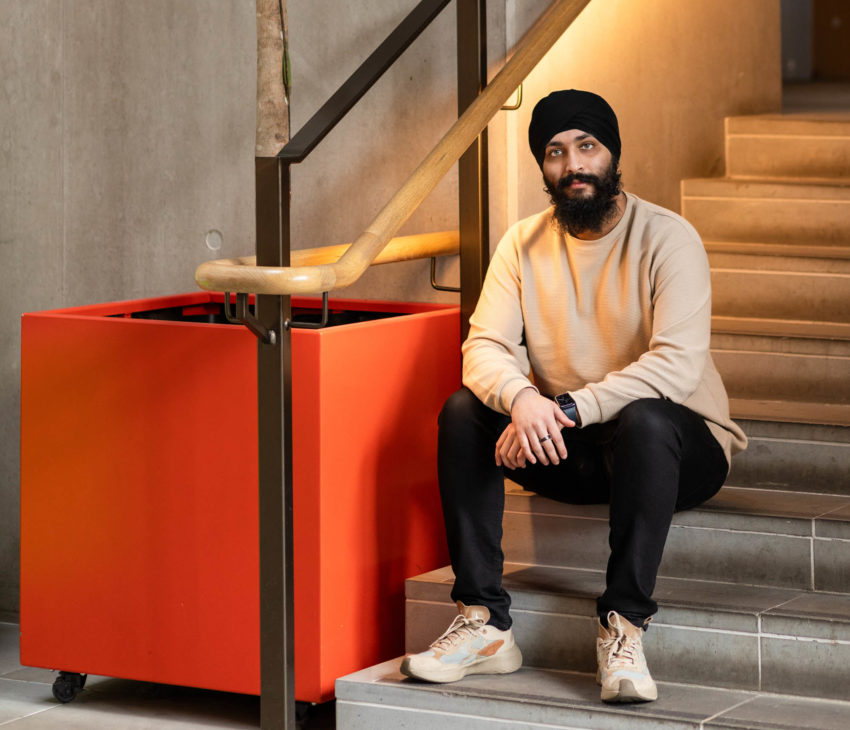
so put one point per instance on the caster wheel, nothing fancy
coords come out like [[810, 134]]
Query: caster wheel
[[68, 685], [302, 712]]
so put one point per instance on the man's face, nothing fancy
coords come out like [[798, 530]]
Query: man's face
[[577, 154], [582, 181]]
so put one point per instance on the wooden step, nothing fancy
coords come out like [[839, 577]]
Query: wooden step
[[780, 145], [768, 211]]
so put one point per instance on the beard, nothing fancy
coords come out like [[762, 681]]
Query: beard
[[585, 213]]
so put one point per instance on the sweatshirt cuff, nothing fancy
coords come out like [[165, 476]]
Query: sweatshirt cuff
[[510, 390], [587, 407]]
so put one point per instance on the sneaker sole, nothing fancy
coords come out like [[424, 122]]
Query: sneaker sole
[[503, 663], [627, 692]]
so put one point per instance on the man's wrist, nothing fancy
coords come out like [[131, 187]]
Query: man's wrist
[[520, 392], [568, 407]]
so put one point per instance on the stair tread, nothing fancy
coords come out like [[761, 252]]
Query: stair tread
[[801, 189], [803, 250], [681, 601], [747, 508], [780, 327], [799, 124], [756, 409], [570, 699]]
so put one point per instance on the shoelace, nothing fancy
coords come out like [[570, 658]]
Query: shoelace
[[459, 629], [620, 650]]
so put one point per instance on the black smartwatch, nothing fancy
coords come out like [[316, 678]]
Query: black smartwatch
[[568, 406]]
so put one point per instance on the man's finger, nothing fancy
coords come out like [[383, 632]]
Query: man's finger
[[551, 450], [525, 448], [538, 445], [561, 417], [558, 441]]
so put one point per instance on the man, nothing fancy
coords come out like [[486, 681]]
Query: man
[[587, 378]]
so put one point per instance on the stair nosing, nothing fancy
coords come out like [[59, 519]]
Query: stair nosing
[[393, 690], [748, 607]]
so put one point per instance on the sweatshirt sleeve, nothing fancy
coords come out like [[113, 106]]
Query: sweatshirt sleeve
[[673, 365], [495, 361]]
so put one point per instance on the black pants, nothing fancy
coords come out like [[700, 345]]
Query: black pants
[[654, 459]]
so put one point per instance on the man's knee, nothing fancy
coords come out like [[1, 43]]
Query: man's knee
[[647, 419], [460, 407]]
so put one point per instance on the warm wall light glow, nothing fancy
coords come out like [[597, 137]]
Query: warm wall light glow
[[672, 71]]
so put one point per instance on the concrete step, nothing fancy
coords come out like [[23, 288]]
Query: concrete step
[[705, 633], [534, 699], [804, 337], [831, 258], [810, 378], [768, 211], [795, 146], [794, 457], [747, 536], [778, 257], [790, 411], [796, 295]]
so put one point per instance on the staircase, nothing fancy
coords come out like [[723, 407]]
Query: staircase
[[753, 628]]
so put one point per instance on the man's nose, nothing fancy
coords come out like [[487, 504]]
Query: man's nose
[[572, 162]]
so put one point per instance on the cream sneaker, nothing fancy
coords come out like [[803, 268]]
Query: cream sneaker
[[622, 670], [468, 646]]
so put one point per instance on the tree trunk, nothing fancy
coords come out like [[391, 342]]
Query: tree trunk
[[272, 78]]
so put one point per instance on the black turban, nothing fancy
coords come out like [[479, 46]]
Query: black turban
[[572, 109]]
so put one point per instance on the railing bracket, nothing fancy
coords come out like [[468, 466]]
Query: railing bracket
[[517, 104], [434, 284], [243, 315], [289, 324]]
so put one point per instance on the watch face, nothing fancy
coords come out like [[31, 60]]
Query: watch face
[[564, 400]]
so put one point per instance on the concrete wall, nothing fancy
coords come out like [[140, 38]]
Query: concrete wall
[[126, 132], [671, 71]]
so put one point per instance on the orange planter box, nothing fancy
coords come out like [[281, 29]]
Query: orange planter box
[[139, 524]]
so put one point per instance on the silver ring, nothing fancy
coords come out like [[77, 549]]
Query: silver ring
[[544, 439]]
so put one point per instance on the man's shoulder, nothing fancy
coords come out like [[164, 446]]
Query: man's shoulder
[[533, 225], [528, 231], [661, 221]]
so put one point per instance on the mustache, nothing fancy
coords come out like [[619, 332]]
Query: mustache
[[568, 180]]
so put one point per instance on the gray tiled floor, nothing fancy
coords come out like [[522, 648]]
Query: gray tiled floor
[[26, 702]]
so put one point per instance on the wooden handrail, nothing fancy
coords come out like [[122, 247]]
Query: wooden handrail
[[232, 275]]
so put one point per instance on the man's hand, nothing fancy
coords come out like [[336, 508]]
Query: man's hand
[[532, 418]]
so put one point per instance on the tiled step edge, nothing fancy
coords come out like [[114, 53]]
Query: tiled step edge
[[794, 457], [753, 537], [706, 633], [381, 697]]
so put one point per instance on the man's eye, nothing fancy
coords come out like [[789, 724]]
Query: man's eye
[[554, 152], [587, 146]]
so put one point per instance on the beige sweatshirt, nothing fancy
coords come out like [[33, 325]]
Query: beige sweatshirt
[[623, 317]]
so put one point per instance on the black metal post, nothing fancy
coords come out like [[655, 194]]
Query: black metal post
[[274, 405], [472, 166]]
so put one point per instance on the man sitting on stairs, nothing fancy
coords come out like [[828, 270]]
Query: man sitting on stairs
[[587, 379]]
